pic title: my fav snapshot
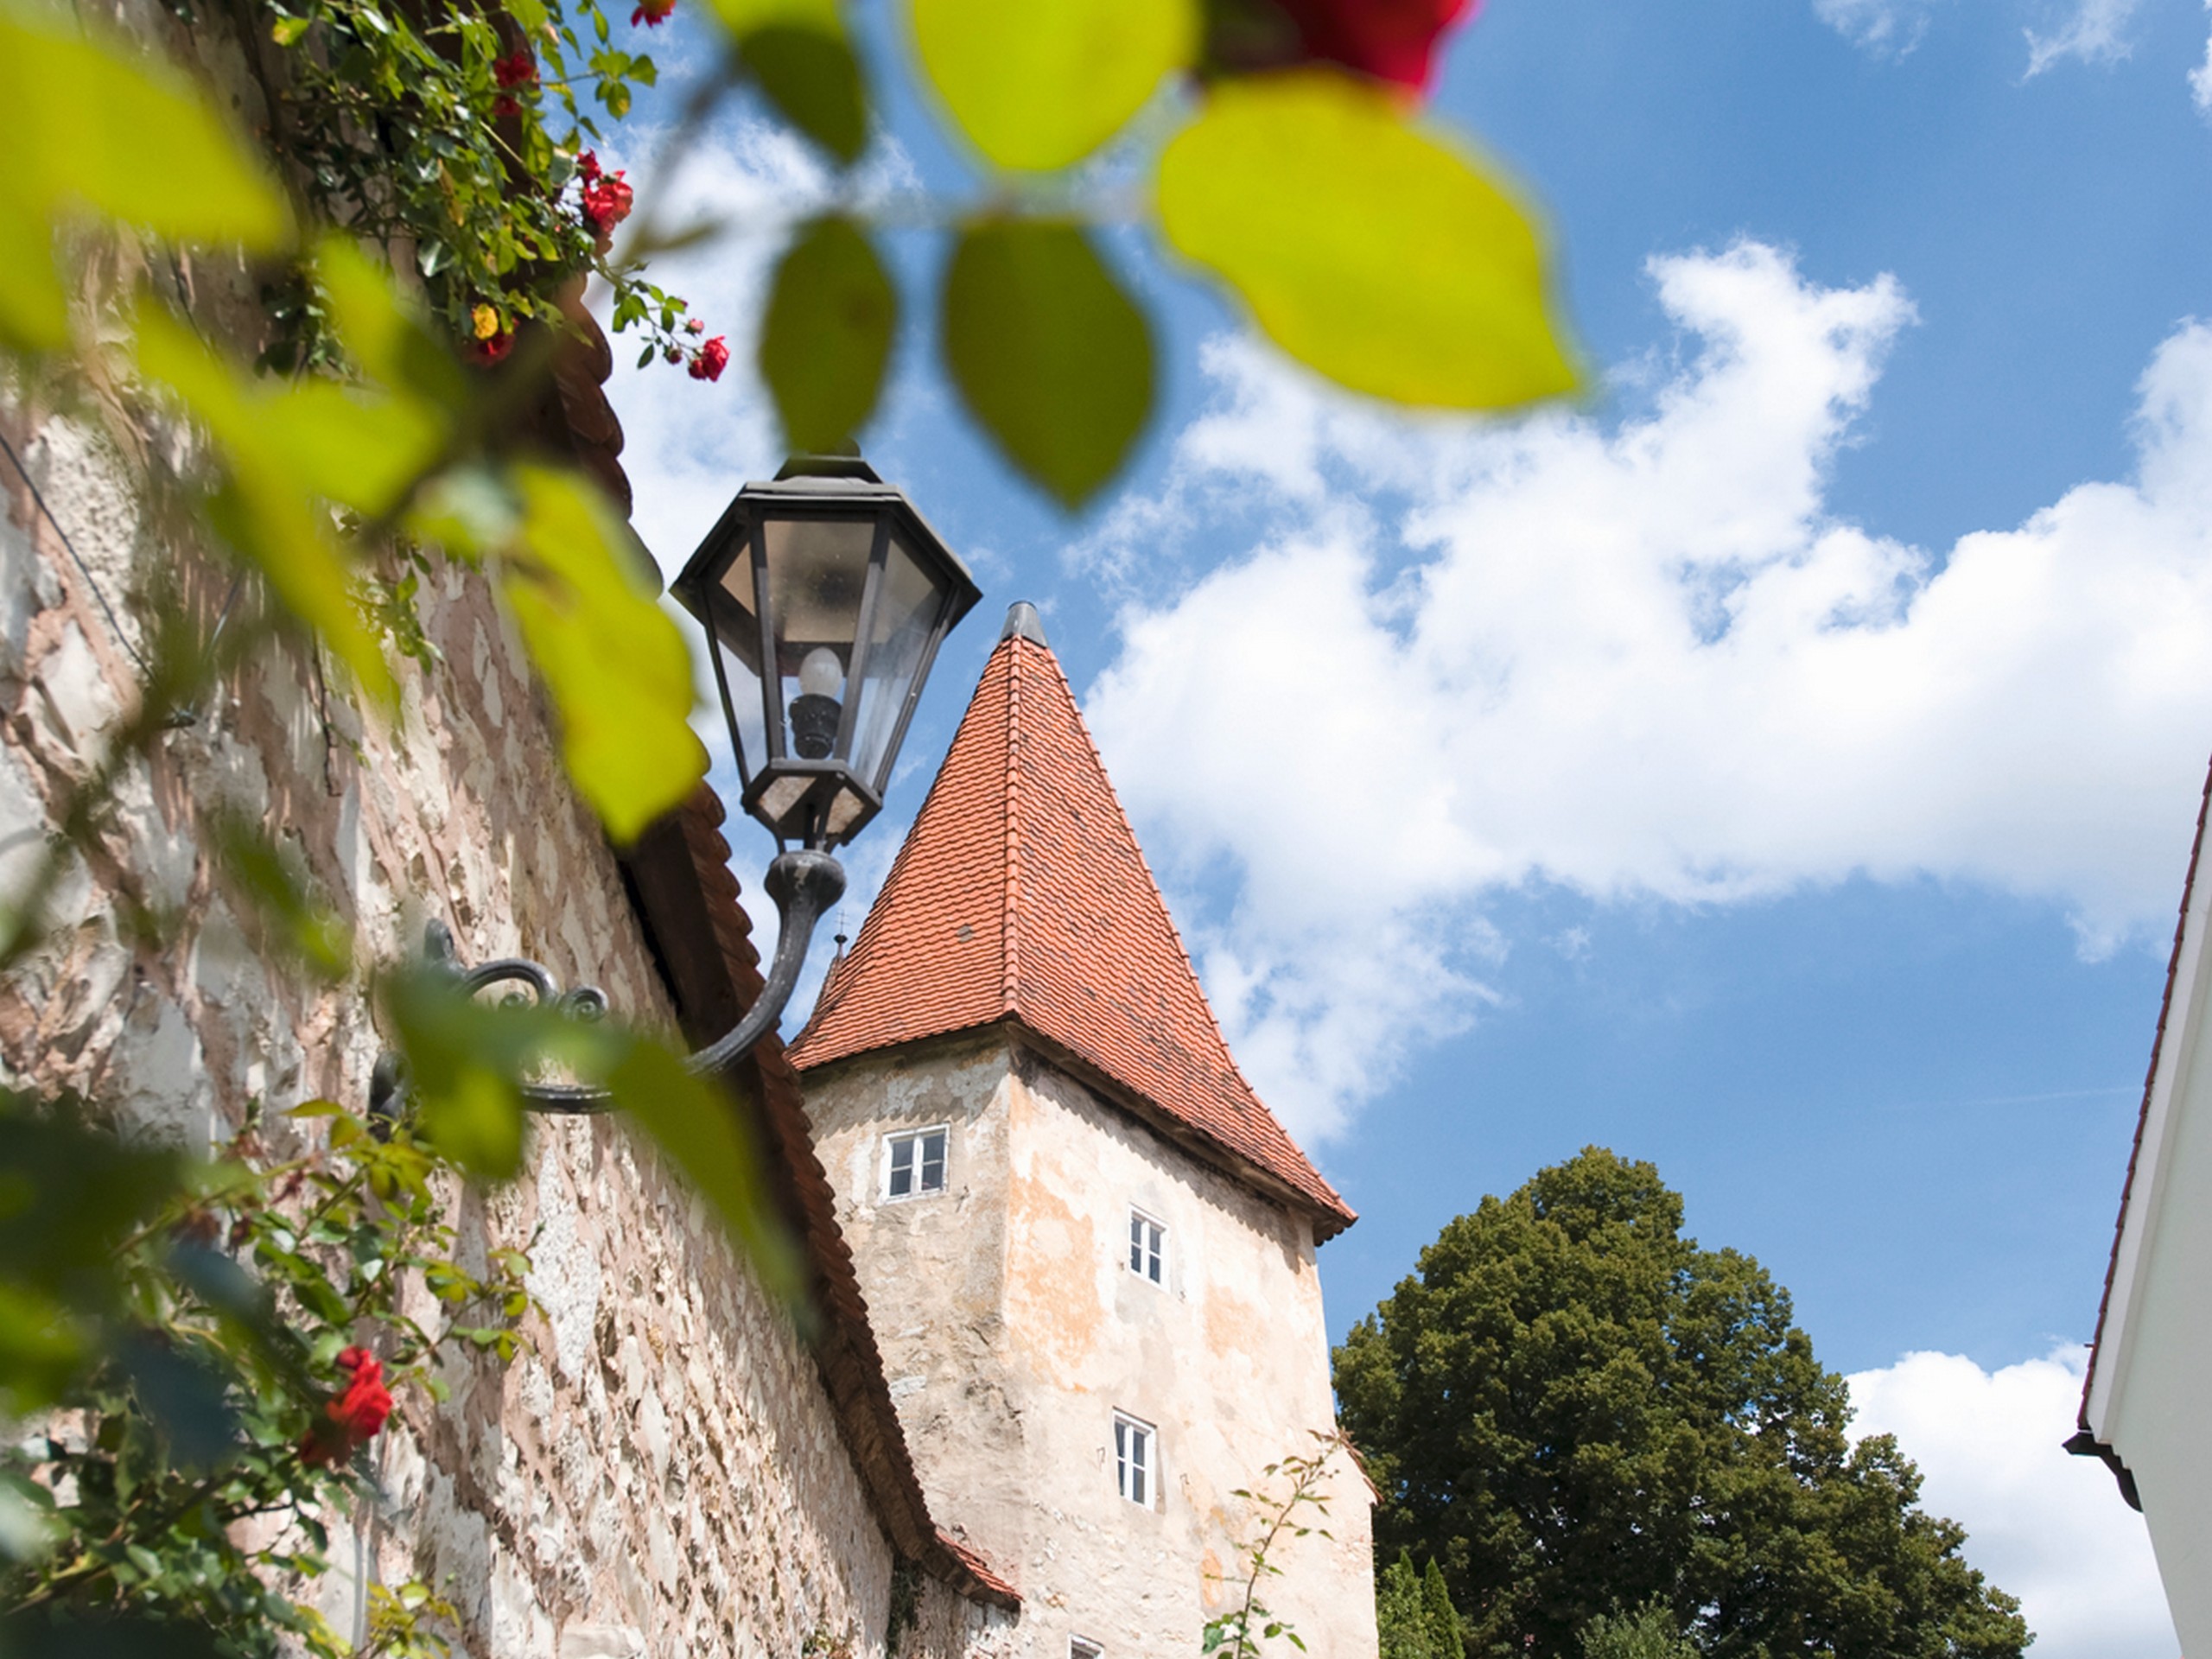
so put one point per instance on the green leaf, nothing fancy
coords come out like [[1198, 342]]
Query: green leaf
[[1365, 247], [305, 927], [278, 445], [618, 669], [699, 1129], [826, 336], [1051, 356], [1037, 85], [813, 79], [741, 17], [285, 30], [93, 127]]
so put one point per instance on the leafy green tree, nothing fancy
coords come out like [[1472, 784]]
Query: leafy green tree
[[1575, 1409], [1414, 1615], [1650, 1632]]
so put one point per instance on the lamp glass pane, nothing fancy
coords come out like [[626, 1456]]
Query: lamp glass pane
[[735, 624], [907, 610], [817, 569]]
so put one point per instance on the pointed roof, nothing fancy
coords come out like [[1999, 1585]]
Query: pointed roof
[[1021, 895]]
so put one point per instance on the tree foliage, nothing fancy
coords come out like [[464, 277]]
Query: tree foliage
[[1576, 1410], [1414, 1615]]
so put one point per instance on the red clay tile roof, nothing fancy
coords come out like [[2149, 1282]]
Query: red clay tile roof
[[1022, 895]]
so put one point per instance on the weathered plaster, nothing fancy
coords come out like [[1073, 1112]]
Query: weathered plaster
[[1014, 1329]]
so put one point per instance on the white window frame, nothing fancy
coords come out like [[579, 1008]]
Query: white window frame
[[1136, 1460], [1081, 1647], [1148, 1256], [917, 1163]]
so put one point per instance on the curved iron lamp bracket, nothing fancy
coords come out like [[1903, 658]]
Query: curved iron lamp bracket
[[805, 885]]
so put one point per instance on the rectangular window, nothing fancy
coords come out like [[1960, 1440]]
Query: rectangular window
[[1083, 1648], [1136, 1470], [1147, 1247], [916, 1164]]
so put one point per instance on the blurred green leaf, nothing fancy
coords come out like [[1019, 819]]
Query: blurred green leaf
[[279, 444], [69, 1196], [1365, 248], [742, 17], [699, 1129], [304, 927], [384, 332], [1036, 86], [1053, 358], [827, 335], [465, 1062], [618, 669], [812, 79], [93, 128]]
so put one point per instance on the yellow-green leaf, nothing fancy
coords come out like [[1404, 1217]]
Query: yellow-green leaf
[[1051, 356], [616, 666], [699, 1129], [34, 306], [827, 335], [93, 127], [265, 511], [741, 17], [810, 76], [1365, 247], [1038, 84], [383, 331]]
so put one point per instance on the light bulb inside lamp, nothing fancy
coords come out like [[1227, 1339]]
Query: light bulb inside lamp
[[816, 711], [820, 673]]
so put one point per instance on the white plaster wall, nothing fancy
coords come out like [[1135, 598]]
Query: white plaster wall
[[1229, 1357], [2159, 1416]]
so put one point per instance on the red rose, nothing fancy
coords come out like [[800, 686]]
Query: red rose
[[651, 13], [356, 1415], [606, 200], [713, 358], [1391, 39], [587, 166], [516, 70], [490, 349]]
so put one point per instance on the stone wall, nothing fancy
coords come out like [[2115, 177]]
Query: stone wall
[[660, 1469], [1012, 1330]]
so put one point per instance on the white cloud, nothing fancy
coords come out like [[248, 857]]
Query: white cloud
[[2200, 78], [2094, 32], [1639, 658], [1887, 28], [2049, 1528]]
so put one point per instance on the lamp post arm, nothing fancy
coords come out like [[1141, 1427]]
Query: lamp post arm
[[804, 884]]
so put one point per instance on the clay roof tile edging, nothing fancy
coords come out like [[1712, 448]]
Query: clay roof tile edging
[[1089, 957]]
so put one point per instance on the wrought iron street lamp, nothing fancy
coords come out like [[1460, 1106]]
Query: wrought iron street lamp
[[824, 595]]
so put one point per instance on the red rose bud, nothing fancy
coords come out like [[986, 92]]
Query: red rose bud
[[356, 1415], [653, 13], [1391, 39], [606, 202], [713, 358], [695, 327]]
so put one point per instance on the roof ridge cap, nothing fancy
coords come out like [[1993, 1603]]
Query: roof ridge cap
[[1010, 904]]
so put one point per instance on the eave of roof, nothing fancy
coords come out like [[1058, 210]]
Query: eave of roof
[[688, 901], [1022, 896], [2110, 1314]]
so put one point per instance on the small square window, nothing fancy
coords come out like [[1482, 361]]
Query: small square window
[[1147, 1247], [1083, 1648], [916, 1163], [1136, 1461]]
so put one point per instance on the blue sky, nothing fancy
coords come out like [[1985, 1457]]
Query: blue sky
[[1781, 769]]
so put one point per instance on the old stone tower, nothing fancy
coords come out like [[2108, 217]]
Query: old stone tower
[[1087, 1248]]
